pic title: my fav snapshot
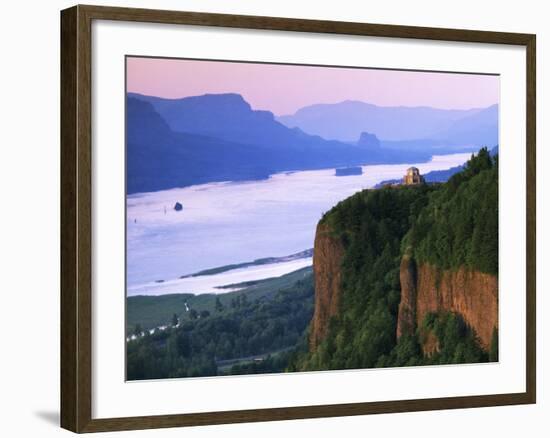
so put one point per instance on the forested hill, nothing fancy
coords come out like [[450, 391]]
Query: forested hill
[[459, 227], [402, 276], [390, 245], [255, 329], [436, 176]]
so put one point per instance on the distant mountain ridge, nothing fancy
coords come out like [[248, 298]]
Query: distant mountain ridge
[[223, 116], [193, 140], [345, 121], [158, 158], [480, 128]]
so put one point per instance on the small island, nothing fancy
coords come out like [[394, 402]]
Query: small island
[[348, 171], [178, 207]]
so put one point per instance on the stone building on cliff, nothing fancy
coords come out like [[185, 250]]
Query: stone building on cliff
[[413, 177]]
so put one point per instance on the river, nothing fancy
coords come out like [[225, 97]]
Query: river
[[236, 222]]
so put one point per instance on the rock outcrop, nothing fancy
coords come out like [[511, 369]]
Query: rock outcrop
[[426, 289], [406, 323], [368, 140], [327, 260]]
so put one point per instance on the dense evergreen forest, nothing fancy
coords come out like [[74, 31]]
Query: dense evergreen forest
[[448, 225], [229, 339], [459, 227]]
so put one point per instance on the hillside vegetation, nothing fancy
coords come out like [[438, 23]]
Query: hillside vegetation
[[223, 334], [264, 327], [447, 225], [459, 227], [150, 311]]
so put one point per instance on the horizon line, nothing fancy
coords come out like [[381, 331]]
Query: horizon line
[[481, 108], [293, 85]]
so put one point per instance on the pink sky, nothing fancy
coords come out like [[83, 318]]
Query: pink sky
[[283, 89]]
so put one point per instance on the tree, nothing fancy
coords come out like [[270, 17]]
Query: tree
[[175, 320], [138, 330], [183, 344], [219, 305]]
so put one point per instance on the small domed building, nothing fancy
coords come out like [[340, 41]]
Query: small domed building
[[413, 177]]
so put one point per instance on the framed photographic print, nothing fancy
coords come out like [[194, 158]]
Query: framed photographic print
[[268, 218]]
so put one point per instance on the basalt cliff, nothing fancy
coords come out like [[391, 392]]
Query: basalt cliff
[[327, 261], [427, 289], [424, 289], [408, 275]]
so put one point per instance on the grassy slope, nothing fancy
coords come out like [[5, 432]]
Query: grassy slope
[[153, 311]]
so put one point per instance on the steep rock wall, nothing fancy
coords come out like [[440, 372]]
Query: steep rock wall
[[327, 261], [426, 289], [406, 323]]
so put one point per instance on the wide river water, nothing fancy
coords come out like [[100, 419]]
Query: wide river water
[[235, 222]]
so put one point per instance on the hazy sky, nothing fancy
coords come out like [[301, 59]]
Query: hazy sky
[[283, 89]]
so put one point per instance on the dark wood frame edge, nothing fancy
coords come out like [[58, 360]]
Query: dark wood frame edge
[[76, 191]]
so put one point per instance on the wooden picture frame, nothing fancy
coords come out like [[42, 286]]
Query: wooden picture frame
[[76, 217]]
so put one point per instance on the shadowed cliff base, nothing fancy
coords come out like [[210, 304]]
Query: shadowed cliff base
[[471, 294]]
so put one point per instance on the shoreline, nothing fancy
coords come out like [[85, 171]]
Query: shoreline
[[220, 221]]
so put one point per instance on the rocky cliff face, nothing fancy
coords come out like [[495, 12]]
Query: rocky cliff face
[[327, 260], [406, 323], [426, 289]]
